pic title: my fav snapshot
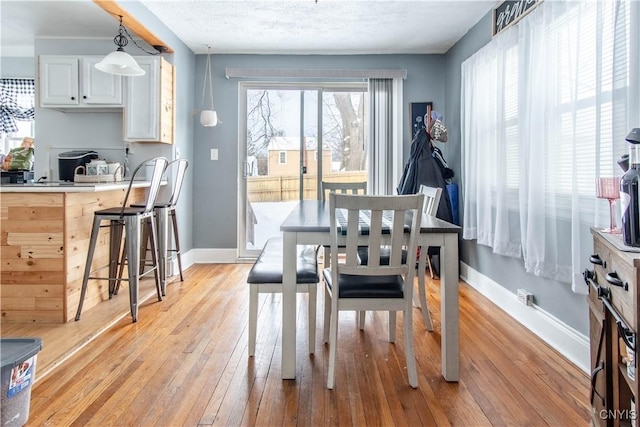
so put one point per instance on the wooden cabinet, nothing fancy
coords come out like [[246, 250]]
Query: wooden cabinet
[[74, 82], [149, 106], [613, 323]]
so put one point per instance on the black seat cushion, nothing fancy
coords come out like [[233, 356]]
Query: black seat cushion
[[385, 255], [155, 205], [130, 211], [366, 286], [268, 266]]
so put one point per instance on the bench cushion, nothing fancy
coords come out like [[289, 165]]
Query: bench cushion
[[268, 266]]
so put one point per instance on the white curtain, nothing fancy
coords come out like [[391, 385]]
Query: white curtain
[[545, 108], [385, 135]]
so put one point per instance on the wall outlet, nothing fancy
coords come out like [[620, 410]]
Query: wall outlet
[[525, 297], [214, 154], [128, 147]]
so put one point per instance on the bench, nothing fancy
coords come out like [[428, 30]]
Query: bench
[[266, 277]]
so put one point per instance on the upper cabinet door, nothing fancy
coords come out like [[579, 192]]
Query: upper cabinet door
[[142, 107], [58, 80], [99, 87]]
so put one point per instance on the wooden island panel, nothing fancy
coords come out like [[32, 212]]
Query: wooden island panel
[[44, 238]]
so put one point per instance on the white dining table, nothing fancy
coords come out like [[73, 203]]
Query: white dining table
[[308, 224]]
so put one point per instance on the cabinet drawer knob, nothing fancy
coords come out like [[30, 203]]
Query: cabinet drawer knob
[[84, 96], [615, 281], [73, 98], [595, 259]]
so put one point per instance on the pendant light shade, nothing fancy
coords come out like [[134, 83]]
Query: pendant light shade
[[120, 62], [208, 118]]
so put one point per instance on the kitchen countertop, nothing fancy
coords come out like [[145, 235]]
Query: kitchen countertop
[[70, 187]]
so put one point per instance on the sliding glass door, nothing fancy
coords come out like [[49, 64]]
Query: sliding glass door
[[285, 156]]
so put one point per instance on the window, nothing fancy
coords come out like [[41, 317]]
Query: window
[[282, 157], [17, 112], [545, 109]]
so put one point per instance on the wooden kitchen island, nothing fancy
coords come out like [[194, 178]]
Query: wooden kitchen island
[[44, 238]]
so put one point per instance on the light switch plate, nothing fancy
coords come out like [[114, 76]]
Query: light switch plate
[[214, 154]]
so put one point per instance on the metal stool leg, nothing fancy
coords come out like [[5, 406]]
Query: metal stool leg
[[154, 257], [87, 268], [115, 247], [161, 218], [132, 231], [176, 237]]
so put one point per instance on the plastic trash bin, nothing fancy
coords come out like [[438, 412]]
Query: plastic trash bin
[[18, 374]]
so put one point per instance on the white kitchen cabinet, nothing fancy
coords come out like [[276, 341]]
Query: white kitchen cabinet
[[74, 82], [149, 102]]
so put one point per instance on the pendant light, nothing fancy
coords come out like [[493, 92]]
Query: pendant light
[[120, 62], [208, 118]]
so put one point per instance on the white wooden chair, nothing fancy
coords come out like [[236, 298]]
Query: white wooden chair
[[431, 201], [351, 285]]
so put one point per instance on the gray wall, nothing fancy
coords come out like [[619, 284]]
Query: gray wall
[[17, 67], [554, 297], [216, 182]]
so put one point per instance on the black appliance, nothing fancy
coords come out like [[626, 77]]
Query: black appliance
[[16, 177], [70, 160]]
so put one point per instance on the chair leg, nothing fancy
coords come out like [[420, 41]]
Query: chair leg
[[87, 268], [392, 326], [154, 258], [313, 296], [253, 317], [333, 341], [422, 290], [408, 344], [362, 316], [176, 237], [327, 315]]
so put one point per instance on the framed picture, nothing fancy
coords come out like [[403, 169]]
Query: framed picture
[[418, 112]]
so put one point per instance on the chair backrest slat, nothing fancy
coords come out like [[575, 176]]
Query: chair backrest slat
[[343, 188], [431, 199]]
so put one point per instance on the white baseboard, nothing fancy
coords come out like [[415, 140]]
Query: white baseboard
[[566, 340], [214, 256]]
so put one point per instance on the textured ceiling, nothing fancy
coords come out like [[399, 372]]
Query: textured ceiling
[[259, 27], [325, 27]]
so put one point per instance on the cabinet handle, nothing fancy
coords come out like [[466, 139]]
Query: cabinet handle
[[84, 96], [73, 98], [615, 280], [595, 259]]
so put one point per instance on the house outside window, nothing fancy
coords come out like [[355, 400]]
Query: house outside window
[[282, 157]]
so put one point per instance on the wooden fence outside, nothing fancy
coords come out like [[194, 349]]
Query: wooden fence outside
[[287, 187]]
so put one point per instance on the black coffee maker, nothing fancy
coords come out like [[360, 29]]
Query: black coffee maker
[[629, 197]]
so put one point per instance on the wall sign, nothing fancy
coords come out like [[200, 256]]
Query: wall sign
[[509, 12]]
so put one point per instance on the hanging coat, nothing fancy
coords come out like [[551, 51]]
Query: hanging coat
[[423, 169]]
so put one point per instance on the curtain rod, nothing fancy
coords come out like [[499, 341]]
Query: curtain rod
[[319, 74]]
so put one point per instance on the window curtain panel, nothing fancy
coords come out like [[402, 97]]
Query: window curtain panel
[[384, 160], [545, 108], [16, 103]]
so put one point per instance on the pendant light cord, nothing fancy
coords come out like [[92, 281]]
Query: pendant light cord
[[207, 73]]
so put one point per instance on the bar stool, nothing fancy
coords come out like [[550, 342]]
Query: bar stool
[[164, 210], [131, 220]]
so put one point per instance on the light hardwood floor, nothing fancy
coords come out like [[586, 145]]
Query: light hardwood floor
[[185, 363]]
